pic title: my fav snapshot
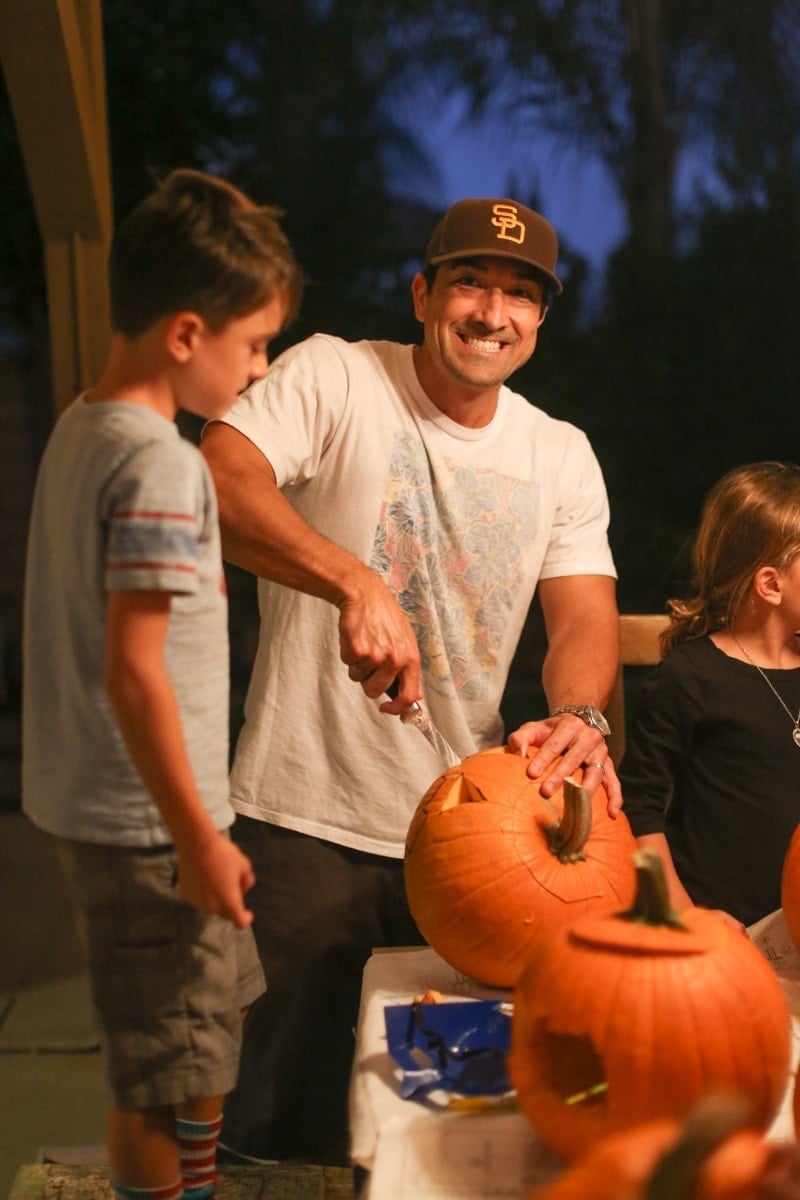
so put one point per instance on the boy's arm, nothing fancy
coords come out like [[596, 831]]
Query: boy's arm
[[213, 873]]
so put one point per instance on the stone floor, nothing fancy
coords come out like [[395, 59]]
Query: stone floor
[[278, 1181]]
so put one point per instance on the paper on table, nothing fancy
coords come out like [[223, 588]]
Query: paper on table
[[773, 939], [460, 1158]]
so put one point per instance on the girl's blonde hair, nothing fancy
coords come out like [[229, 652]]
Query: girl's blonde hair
[[750, 519]]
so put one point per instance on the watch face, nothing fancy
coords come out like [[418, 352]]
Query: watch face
[[588, 713], [594, 717]]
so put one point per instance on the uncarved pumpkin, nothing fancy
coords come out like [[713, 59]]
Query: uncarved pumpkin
[[625, 1017], [491, 866]]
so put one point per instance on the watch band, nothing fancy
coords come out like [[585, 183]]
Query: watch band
[[592, 716]]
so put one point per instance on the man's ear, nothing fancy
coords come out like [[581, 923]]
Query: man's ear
[[767, 585], [419, 293], [181, 335]]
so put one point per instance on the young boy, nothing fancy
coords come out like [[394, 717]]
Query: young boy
[[125, 752]]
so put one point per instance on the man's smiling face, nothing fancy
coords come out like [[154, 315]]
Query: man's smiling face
[[481, 319]]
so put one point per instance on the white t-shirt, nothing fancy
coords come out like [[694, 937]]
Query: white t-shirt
[[461, 523]]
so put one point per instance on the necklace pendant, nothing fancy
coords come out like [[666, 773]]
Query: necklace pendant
[[796, 735]]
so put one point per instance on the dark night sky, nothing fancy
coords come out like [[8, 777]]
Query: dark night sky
[[471, 157], [478, 158]]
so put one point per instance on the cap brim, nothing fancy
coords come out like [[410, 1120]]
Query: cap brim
[[483, 252]]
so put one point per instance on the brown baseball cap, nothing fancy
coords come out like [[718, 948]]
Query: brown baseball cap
[[500, 228]]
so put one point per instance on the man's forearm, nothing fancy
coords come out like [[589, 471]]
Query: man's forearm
[[261, 531], [275, 543], [580, 670]]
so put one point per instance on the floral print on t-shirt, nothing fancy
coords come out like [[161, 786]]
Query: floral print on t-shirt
[[449, 543]]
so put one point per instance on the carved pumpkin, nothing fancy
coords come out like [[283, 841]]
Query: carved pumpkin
[[490, 865], [624, 1017], [713, 1155]]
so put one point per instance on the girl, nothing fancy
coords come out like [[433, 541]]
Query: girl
[[711, 774]]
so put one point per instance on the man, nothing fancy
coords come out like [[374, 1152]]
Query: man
[[400, 506]]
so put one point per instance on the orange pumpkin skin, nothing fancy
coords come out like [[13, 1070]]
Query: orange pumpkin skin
[[655, 1016], [621, 1165], [790, 887], [735, 1169], [616, 1167], [483, 884]]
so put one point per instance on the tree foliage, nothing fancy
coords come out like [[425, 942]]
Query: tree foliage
[[274, 96], [693, 107], [687, 365]]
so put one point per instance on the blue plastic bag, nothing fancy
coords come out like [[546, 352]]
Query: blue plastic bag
[[460, 1046]]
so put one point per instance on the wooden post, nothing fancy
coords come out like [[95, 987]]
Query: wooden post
[[52, 58]]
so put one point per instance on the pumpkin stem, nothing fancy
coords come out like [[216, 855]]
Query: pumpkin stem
[[713, 1120], [651, 904], [567, 837]]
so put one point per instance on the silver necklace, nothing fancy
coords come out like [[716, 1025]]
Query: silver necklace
[[795, 720]]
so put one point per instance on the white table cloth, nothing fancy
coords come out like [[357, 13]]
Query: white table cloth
[[417, 1148]]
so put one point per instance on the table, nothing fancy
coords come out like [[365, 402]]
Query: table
[[416, 1150]]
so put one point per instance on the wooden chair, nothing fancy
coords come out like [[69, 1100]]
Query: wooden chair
[[639, 647]]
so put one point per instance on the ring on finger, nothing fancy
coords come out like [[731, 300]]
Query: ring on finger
[[597, 765]]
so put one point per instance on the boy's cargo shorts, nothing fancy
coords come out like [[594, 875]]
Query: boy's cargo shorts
[[168, 982]]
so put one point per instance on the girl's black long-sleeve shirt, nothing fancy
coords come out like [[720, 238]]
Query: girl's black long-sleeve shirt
[[710, 762]]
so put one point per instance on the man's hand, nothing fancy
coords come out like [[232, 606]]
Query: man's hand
[[582, 748], [214, 876], [262, 533], [377, 643]]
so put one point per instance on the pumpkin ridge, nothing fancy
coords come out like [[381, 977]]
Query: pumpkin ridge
[[762, 1036], [590, 880], [587, 878]]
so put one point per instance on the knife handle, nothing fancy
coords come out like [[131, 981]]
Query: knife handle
[[409, 714]]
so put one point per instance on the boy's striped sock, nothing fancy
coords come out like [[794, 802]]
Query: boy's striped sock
[[197, 1141], [173, 1192]]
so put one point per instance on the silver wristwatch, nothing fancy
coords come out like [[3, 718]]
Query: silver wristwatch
[[588, 713]]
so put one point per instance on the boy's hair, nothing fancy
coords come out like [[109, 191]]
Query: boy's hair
[[750, 519], [198, 244]]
